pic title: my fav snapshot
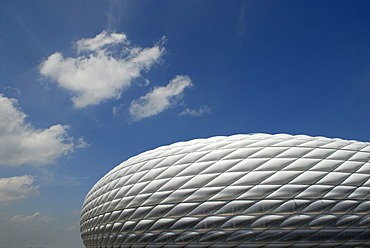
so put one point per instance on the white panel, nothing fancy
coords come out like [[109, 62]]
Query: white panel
[[302, 164], [248, 165], [315, 191], [365, 168], [174, 183], [267, 221], [281, 177], [239, 221], [296, 220], [344, 207], [184, 223], [216, 155], [207, 208], [341, 155], [190, 158], [339, 192], [253, 177], [198, 181], [258, 192], [361, 157], [195, 169], [269, 152], [356, 179], [229, 193], [223, 179], [276, 164], [210, 222], [162, 224], [349, 166], [203, 194], [262, 207], [309, 177], [347, 221], [333, 178], [322, 221], [319, 153], [243, 152], [172, 171], [360, 193], [287, 191], [234, 207], [327, 165], [295, 152], [178, 196], [319, 206], [220, 166]]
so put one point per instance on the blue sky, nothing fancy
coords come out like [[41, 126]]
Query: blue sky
[[87, 84]]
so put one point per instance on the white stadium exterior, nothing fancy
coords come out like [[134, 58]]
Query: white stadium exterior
[[256, 190]]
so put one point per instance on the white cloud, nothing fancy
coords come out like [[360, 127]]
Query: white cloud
[[100, 41], [81, 143], [16, 188], [159, 99], [100, 74], [196, 112], [21, 144], [35, 218], [74, 228], [116, 110]]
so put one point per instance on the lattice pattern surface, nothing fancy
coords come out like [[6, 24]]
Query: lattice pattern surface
[[256, 190]]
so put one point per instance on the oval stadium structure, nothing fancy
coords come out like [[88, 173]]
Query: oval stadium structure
[[256, 190]]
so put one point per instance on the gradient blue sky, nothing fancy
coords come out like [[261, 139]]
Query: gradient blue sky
[[178, 70]]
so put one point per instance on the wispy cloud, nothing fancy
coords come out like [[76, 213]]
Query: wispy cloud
[[13, 91], [159, 99], [16, 188], [104, 67], [116, 110], [35, 218], [196, 112], [21, 144], [100, 41]]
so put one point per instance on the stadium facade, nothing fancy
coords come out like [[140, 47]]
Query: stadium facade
[[256, 190]]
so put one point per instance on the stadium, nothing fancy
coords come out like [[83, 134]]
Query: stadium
[[252, 190]]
